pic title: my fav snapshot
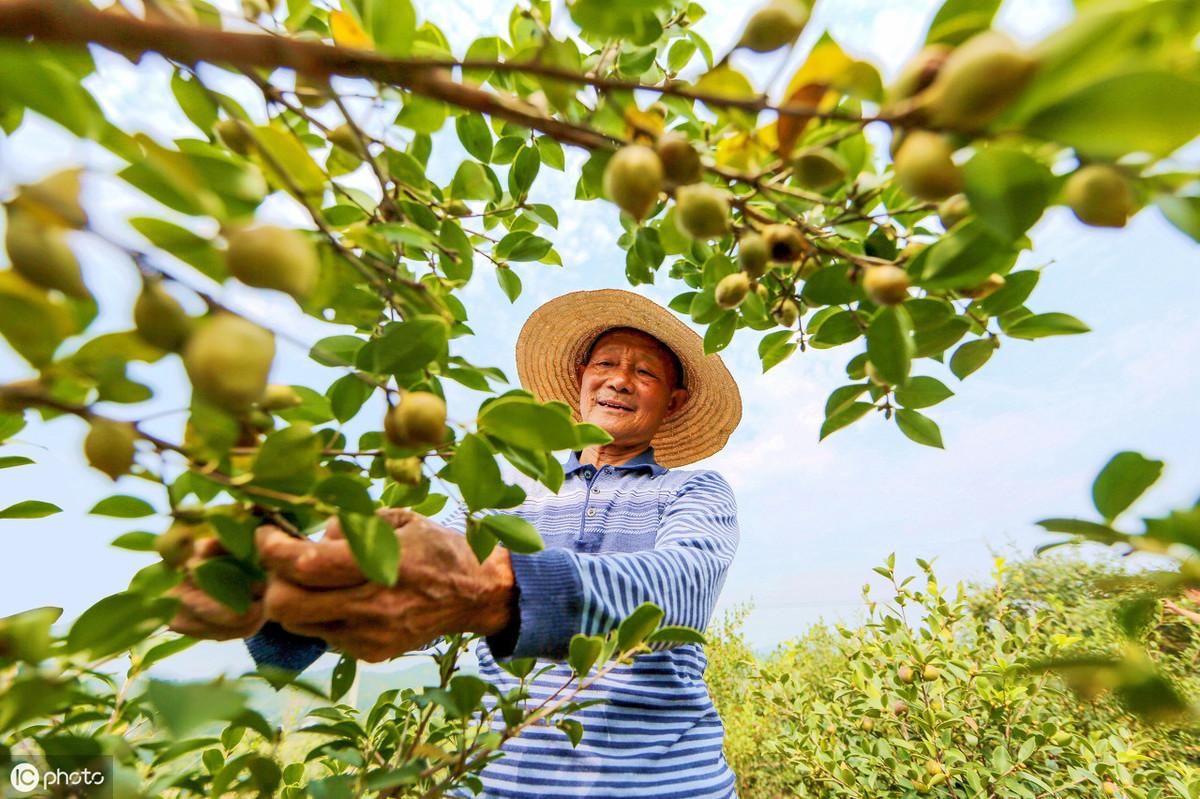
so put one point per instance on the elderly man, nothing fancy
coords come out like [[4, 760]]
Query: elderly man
[[625, 528]]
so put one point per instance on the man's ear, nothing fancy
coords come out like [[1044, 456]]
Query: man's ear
[[679, 398]]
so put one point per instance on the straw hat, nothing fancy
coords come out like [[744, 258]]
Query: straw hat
[[558, 334]]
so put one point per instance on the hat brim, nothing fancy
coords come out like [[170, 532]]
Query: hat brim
[[557, 335]]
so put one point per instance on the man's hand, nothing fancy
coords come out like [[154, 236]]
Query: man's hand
[[316, 589], [201, 616]]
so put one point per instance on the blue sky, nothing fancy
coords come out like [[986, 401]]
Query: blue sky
[[1024, 436]]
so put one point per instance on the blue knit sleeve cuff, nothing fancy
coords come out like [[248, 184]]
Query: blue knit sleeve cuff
[[550, 603], [276, 647]]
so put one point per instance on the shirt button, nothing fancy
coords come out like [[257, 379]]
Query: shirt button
[[591, 512], [587, 475], [596, 490]]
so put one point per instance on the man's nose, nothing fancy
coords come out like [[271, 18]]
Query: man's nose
[[621, 380]]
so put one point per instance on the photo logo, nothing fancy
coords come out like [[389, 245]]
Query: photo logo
[[25, 777]]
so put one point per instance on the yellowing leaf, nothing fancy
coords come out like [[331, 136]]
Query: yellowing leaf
[[726, 82], [347, 32], [807, 98], [641, 126], [735, 151]]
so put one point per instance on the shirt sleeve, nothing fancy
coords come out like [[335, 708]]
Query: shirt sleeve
[[563, 592]]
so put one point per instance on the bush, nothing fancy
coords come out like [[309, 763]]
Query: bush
[[939, 692]]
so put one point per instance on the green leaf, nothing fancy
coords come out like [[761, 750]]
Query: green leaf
[[453, 238], [9, 461], [471, 183], [524, 171], [514, 532], [919, 428], [675, 634], [421, 114], [347, 395], [890, 345], [194, 101], [1122, 480], [958, 20], [841, 398], [831, 286], [475, 471], [405, 347], [526, 423], [928, 313], [183, 244], [971, 356], [123, 507], [10, 425], [1016, 289], [965, 257], [552, 154], [1084, 529], [1182, 212], [1047, 324], [1007, 189], [481, 540], [522, 245], [510, 283], [392, 25], [286, 453], [623, 19], [299, 171], [118, 622], [343, 677], [1155, 112], [227, 581], [1136, 615], [475, 135], [346, 492], [336, 350], [720, 333], [845, 416], [775, 348], [573, 728], [922, 392], [29, 509], [583, 652], [135, 541], [634, 629], [183, 708], [375, 547]]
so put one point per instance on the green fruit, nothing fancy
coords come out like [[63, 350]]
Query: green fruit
[[979, 80], [270, 257], [312, 92], [886, 285], [906, 675], [1100, 196], [868, 724], [819, 168], [406, 471], [235, 135], [775, 25], [702, 211], [228, 360], [753, 255], [911, 250], [109, 446], [178, 543], [458, 208], [762, 291], [279, 397], [54, 200], [933, 767], [633, 179], [732, 289], [418, 421], [1110, 788], [953, 210], [784, 243], [343, 136], [924, 168], [786, 313], [39, 253], [680, 161], [930, 672], [159, 319], [899, 707], [919, 72]]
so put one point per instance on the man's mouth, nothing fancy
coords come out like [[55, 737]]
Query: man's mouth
[[614, 405]]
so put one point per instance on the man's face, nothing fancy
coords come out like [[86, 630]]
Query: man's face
[[628, 387]]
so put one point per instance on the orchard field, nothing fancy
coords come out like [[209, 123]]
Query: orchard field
[[258, 273]]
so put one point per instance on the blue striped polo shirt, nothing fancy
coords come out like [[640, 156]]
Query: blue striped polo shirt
[[616, 536]]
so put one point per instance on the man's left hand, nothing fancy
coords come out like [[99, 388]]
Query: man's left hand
[[315, 588]]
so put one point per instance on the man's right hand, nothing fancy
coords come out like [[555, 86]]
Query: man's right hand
[[201, 616]]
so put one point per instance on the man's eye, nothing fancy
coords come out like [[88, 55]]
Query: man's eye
[[647, 374]]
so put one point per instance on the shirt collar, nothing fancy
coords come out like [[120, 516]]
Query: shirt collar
[[643, 461]]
